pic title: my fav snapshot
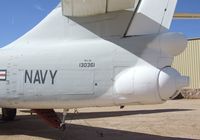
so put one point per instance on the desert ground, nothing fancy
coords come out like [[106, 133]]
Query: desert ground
[[173, 120]]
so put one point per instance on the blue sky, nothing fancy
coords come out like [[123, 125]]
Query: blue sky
[[19, 16], [191, 28]]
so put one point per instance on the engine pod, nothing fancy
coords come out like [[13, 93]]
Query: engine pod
[[169, 81], [172, 44]]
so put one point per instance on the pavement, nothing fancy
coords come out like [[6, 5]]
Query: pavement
[[173, 120]]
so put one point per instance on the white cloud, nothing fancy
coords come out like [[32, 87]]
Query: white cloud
[[12, 20], [38, 7]]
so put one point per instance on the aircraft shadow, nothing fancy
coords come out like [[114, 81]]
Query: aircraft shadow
[[32, 126], [91, 115]]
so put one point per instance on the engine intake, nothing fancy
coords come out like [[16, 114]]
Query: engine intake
[[147, 84], [169, 81]]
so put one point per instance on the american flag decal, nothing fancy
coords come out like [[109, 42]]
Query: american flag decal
[[3, 75]]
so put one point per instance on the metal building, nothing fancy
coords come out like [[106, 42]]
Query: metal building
[[188, 63]]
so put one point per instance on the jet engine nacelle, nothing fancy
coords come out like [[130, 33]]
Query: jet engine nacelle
[[172, 44], [147, 84], [162, 48]]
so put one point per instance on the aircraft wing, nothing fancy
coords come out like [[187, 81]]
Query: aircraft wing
[[186, 16], [84, 8], [142, 16]]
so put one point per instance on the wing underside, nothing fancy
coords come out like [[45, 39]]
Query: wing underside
[[83, 8], [143, 16]]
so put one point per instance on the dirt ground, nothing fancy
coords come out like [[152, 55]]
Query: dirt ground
[[174, 120]]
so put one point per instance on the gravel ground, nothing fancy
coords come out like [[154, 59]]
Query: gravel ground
[[190, 93], [174, 120]]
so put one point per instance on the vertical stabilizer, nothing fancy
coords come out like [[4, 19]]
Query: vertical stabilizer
[[151, 17]]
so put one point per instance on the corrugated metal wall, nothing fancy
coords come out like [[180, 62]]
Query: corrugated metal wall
[[188, 63]]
